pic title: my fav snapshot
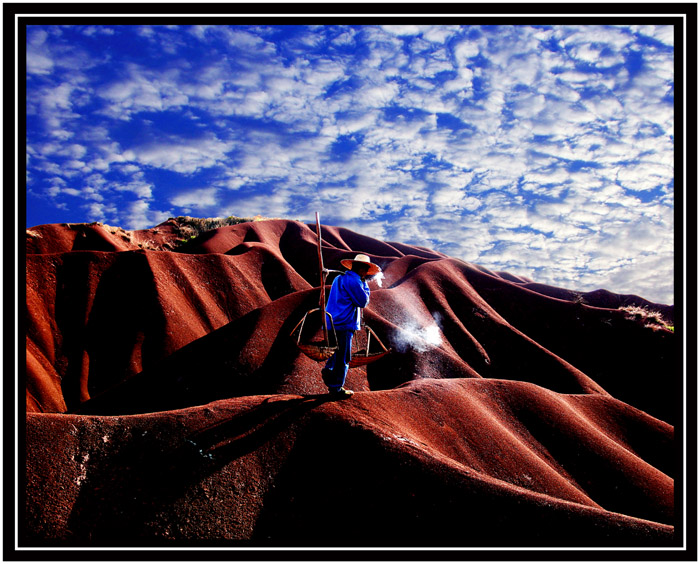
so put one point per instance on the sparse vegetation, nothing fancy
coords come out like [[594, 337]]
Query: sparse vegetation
[[194, 226], [647, 317], [202, 224], [191, 227]]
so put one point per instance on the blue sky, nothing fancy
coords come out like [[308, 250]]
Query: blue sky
[[545, 151]]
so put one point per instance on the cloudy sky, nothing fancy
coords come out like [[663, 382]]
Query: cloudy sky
[[541, 150]]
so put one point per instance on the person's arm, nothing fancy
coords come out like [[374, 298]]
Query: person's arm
[[358, 290]]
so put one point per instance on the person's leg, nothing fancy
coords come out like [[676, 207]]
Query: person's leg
[[336, 368]]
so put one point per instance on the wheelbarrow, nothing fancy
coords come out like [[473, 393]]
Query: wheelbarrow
[[322, 351]]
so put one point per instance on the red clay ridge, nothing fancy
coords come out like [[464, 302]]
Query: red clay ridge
[[168, 403]]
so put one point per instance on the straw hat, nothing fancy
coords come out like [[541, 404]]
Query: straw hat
[[362, 259]]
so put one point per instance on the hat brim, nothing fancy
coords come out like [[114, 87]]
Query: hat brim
[[373, 268]]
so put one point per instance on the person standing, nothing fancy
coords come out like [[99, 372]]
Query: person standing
[[349, 293]]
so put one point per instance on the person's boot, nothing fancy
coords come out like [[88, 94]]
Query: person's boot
[[340, 393]]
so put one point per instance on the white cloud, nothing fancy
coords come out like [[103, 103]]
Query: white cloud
[[73, 150], [402, 29], [141, 189], [559, 137], [590, 53], [462, 82], [345, 38], [142, 90], [662, 33], [138, 215], [605, 108], [350, 123], [645, 175], [528, 106], [378, 95], [39, 60], [93, 30], [447, 200], [200, 31], [429, 66], [184, 156], [277, 204], [439, 33], [202, 198], [465, 50], [244, 40], [106, 212]]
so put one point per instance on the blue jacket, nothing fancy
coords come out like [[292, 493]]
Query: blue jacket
[[348, 293]]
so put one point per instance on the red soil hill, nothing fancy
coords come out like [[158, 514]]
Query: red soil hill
[[168, 401]]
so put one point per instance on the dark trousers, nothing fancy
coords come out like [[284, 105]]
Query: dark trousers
[[336, 368]]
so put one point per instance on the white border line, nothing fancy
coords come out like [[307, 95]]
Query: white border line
[[16, 304], [331, 549], [684, 371], [344, 15]]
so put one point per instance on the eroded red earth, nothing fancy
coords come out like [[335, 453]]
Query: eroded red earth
[[167, 401]]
